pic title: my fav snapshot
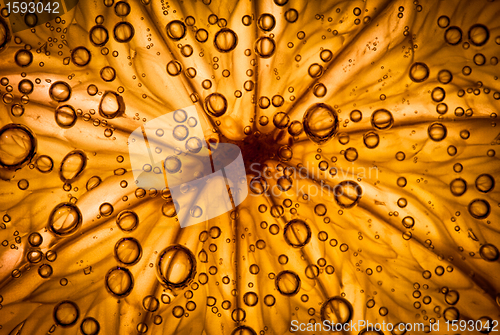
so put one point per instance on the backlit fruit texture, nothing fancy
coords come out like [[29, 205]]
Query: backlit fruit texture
[[369, 135]]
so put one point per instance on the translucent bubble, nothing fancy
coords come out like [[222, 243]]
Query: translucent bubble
[[453, 35], [479, 34], [111, 105], [258, 185], [174, 68], [445, 77], [194, 145], [108, 74], [176, 266], [170, 208], [23, 58], [437, 132], [356, 116], [17, 110], [180, 132], [408, 222], [65, 116], [479, 59], [337, 310], [66, 313], [225, 40], [419, 72], [295, 128], [284, 183], [25, 86], [216, 104], [106, 209], [45, 271], [128, 250], [201, 35], [371, 139], [438, 94], [320, 123], [172, 164], [196, 211], [485, 183], [4, 33], [292, 15], [315, 70], [72, 166], [123, 32], [266, 22], [451, 314], [347, 193], [441, 108], [81, 56], [17, 146], [176, 30], [319, 90], [250, 299], [93, 182], [265, 47], [443, 21], [98, 35], [351, 154], [180, 116], [192, 122], [281, 120], [479, 209], [458, 187], [60, 91], [119, 282], [35, 239], [122, 9], [297, 233], [150, 303], [489, 252], [285, 153], [287, 283], [65, 219], [127, 220], [382, 119], [90, 326], [34, 256], [269, 300]]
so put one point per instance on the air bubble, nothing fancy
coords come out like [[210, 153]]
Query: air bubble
[[453, 35], [287, 283], [320, 123], [265, 47], [419, 72], [72, 166], [337, 310], [17, 146], [128, 251], [60, 91], [297, 233], [216, 104], [123, 32], [347, 193], [65, 219], [437, 132], [111, 105], [225, 40], [65, 116], [382, 119], [119, 282], [66, 313], [176, 266]]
